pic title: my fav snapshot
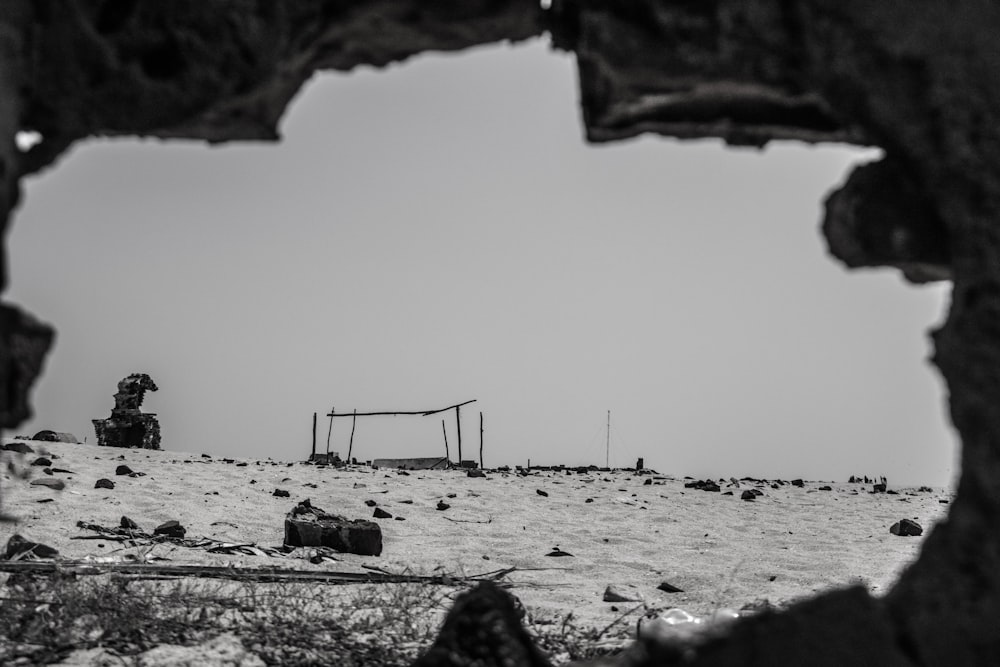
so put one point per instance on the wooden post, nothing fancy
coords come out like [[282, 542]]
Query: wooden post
[[329, 431], [350, 446], [447, 456], [458, 420], [480, 440], [313, 455]]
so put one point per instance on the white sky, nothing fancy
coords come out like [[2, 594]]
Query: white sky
[[439, 231]]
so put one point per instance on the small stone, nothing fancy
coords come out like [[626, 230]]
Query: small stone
[[668, 587], [241, 464], [798, 482], [559, 553], [52, 483], [381, 514], [825, 488], [442, 505], [41, 461], [128, 524], [452, 495], [170, 529], [906, 528], [19, 447], [648, 482], [541, 493], [614, 594], [104, 483], [22, 549], [748, 495], [399, 518], [370, 503], [475, 472], [123, 470], [281, 493], [589, 500], [878, 488]]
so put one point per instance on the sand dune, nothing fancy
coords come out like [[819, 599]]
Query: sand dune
[[722, 551]]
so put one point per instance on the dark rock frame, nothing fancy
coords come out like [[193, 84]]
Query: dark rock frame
[[919, 79]]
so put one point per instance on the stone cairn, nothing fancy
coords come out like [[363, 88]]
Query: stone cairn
[[128, 426]]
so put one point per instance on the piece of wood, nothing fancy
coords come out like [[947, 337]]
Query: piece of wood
[[422, 413], [350, 446], [458, 420], [313, 455], [447, 456], [329, 432], [260, 574]]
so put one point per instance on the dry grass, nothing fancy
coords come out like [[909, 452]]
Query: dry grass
[[45, 618]]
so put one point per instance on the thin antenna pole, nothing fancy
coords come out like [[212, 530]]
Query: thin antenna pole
[[607, 444]]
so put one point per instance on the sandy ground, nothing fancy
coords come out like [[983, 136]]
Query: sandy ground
[[722, 551]]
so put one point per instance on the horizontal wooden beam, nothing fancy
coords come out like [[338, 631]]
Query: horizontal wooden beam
[[421, 413]]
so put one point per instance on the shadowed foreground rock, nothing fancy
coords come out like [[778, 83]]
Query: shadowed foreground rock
[[483, 630], [917, 79]]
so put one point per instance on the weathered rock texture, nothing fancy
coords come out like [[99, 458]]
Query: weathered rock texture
[[308, 526], [128, 426], [919, 79]]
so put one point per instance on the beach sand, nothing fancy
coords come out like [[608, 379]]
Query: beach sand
[[722, 551]]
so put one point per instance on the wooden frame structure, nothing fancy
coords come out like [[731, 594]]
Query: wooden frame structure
[[394, 413]]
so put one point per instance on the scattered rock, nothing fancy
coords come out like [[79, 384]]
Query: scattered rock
[[281, 493], [616, 594], [41, 461], [442, 505], [381, 514], [170, 529], [475, 472], [22, 549], [541, 493], [906, 528], [123, 470], [648, 482], [308, 526], [668, 587], [878, 488], [798, 482], [589, 500], [128, 524], [825, 488], [559, 553], [370, 503], [104, 483], [53, 483], [19, 447], [748, 495]]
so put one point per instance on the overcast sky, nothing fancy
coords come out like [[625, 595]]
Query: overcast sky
[[438, 232]]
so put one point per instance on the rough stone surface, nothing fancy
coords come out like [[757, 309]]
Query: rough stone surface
[[308, 526], [483, 629], [128, 426], [906, 528], [917, 79]]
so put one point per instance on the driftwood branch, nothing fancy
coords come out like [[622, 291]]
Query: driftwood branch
[[422, 413], [261, 575]]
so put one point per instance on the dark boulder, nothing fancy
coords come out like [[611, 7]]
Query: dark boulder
[[281, 493], [748, 495], [170, 529], [19, 447], [104, 483], [123, 470], [381, 514], [41, 461], [308, 526], [906, 528], [798, 482]]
